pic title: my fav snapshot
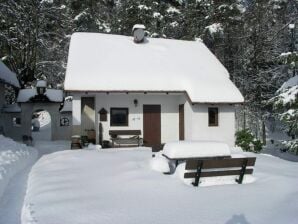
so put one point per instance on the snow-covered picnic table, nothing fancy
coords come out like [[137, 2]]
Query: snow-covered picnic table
[[182, 150]]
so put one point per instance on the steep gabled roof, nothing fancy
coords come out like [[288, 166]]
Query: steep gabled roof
[[104, 62], [8, 76]]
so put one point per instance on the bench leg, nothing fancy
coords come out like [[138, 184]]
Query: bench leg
[[242, 172], [198, 174]]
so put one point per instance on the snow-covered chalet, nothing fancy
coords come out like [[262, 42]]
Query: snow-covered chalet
[[170, 90]]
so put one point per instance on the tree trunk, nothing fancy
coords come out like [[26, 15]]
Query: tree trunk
[[264, 132]]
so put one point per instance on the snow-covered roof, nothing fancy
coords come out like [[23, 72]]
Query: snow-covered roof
[[8, 76], [41, 83], [11, 108], [67, 106], [104, 62], [54, 95]]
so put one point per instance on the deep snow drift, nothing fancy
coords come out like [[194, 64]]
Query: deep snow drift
[[14, 157], [118, 186]]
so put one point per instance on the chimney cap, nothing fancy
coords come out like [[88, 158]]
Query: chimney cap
[[138, 26]]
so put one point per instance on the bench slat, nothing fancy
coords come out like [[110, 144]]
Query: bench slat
[[125, 132], [223, 163], [127, 140], [218, 173]]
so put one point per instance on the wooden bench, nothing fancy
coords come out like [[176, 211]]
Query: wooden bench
[[219, 167], [134, 140]]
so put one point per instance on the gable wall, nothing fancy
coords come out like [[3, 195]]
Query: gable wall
[[196, 123]]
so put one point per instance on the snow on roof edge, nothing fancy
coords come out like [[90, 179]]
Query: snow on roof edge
[[154, 91], [7, 76]]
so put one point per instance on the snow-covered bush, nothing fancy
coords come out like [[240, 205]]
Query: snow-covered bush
[[285, 107], [247, 141], [291, 145], [160, 164]]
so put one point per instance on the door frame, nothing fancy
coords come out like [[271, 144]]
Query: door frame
[[181, 122]]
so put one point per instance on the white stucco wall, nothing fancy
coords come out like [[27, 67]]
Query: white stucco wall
[[196, 123], [169, 112], [196, 116], [76, 109], [57, 132]]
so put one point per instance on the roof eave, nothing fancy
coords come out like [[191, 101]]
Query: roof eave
[[154, 91]]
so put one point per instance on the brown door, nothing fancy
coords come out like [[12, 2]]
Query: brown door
[[152, 125], [181, 122]]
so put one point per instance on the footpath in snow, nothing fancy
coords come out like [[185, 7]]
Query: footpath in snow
[[15, 163]]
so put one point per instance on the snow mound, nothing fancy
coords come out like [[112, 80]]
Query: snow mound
[[191, 149], [160, 164], [94, 147], [236, 150], [14, 157]]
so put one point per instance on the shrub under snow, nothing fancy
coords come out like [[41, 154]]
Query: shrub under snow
[[13, 158], [160, 164]]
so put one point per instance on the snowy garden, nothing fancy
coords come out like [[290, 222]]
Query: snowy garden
[[127, 185], [149, 112]]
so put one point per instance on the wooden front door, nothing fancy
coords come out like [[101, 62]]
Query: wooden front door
[[152, 125], [181, 122]]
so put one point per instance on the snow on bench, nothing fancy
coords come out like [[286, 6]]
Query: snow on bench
[[195, 149]]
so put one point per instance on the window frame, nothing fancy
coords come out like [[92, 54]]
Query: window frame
[[216, 118], [127, 117]]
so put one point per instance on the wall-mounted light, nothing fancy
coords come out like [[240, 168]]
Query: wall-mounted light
[[135, 102]]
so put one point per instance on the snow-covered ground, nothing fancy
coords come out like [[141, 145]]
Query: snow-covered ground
[[123, 186], [14, 157], [118, 186], [15, 162]]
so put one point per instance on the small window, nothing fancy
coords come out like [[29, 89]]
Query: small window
[[16, 121], [213, 116], [119, 116]]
